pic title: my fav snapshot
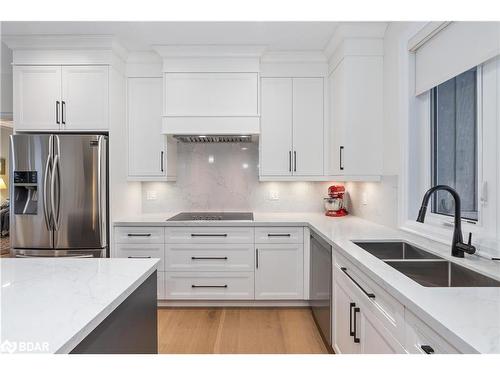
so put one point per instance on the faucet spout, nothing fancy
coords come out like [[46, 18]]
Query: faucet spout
[[458, 247]]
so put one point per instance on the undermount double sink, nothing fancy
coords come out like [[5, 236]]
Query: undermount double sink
[[424, 267]]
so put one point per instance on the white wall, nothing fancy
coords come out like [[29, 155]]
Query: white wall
[[5, 79], [225, 177]]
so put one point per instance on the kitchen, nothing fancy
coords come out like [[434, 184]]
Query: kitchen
[[250, 187]]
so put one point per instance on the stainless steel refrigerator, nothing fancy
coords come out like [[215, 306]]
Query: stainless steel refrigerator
[[59, 195]]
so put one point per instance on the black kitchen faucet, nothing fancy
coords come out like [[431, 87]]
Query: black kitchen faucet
[[458, 247]]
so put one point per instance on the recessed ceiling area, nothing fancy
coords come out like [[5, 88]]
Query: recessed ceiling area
[[140, 36]]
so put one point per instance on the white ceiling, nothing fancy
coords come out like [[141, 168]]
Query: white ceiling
[[140, 36]]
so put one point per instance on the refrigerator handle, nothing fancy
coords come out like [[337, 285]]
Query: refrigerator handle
[[99, 187], [55, 213], [48, 163]]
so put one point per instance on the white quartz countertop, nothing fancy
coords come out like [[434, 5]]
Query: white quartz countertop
[[469, 318], [51, 305]]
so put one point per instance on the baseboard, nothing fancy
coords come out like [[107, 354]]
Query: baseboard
[[232, 303]]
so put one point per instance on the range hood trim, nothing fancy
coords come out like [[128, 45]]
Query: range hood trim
[[211, 125]]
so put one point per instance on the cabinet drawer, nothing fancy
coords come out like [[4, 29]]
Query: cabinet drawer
[[210, 285], [279, 235], [143, 235], [421, 339], [160, 287], [381, 304], [209, 257], [140, 251], [200, 235]]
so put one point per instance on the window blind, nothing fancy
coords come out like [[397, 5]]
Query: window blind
[[455, 49]]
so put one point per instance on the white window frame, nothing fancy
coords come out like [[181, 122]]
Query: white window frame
[[468, 225], [438, 227]]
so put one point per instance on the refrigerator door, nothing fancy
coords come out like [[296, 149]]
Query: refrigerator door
[[79, 191], [30, 166]]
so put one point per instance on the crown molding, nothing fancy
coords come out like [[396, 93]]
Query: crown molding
[[176, 51], [294, 57], [354, 30], [65, 42]]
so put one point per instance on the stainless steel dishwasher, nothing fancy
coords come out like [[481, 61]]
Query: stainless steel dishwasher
[[320, 293]]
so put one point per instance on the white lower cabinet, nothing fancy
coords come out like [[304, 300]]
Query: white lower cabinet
[[366, 319], [210, 285], [279, 271], [160, 285], [421, 339]]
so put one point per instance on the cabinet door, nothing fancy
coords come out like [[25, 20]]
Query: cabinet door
[[337, 119], [276, 127], [85, 97], [146, 144], [374, 337], [37, 98], [308, 126], [343, 311], [279, 271]]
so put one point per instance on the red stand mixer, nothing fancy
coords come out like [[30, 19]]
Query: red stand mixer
[[335, 204]]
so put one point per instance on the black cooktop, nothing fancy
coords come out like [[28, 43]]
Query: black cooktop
[[192, 216]]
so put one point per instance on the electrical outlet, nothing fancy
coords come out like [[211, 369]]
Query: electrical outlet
[[151, 195], [364, 199], [274, 195]]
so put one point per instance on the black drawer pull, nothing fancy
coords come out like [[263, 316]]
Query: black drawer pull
[[351, 331], [356, 339], [208, 234], [202, 258], [369, 295], [209, 286], [139, 234], [279, 235], [139, 257], [427, 349]]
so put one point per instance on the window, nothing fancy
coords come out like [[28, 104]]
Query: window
[[454, 135]]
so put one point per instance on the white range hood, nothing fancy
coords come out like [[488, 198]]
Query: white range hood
[[211, 91]]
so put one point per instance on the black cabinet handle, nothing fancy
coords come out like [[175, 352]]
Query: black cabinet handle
[[161, 161], [351, 331], [203, 258], [427, 349], [295, 161], [208, 286], [257, 258], [208, 234], [139, 234], [278, 235], [289, 161], [356, 310], [369, 295], [63, 119], [341, 162], [139, 257], [57, 112]]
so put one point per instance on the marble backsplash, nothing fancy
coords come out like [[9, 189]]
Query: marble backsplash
[[225, 177]]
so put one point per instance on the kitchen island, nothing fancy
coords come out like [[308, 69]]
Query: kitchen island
[[74, 305]]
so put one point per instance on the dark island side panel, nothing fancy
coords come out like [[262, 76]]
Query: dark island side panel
[[130, 329]]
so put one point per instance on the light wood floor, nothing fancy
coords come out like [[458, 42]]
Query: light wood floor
[[238, 331]]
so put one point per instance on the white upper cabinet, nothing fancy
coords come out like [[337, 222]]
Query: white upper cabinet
[[308, 126], [147, 150], [291, 128], [211, 94], [37, 98], [61, 98], [85, 95], [276, 127], [356, 117]]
